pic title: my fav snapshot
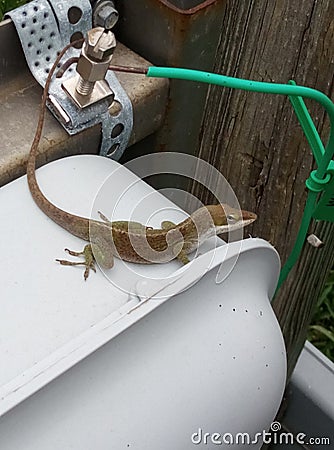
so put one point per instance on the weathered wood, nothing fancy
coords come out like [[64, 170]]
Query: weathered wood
[[256, 142]]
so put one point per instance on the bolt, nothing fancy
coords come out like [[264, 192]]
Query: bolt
[[95, 58], [99, 44], [85, 87], [105, 15]]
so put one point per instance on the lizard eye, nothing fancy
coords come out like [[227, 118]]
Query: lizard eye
[[232, 218]]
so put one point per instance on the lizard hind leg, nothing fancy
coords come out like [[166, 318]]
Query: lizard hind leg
[[89, 261]]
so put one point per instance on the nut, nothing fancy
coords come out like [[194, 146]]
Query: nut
[[105, 15], [91, 70], [96, 54], [99, 45]]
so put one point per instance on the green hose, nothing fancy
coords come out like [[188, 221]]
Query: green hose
[[319, 178], [256, 86]]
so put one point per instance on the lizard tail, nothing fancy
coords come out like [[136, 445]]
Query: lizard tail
[[70, 222]]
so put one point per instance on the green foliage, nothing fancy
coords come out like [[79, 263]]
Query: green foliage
[[7, 5], [321, 331]]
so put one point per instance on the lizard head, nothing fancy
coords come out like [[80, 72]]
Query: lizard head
[[224, 215]]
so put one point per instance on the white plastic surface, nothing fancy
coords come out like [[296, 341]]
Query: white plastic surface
[[211, 357], [47, 310]]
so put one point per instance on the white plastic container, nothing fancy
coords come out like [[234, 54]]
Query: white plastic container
[[84, 365]]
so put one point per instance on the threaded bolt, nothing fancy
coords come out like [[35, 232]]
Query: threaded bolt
[[84, 87], [94, 59]]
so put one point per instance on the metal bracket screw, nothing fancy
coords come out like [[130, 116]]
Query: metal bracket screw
[[104, 14], [95, 58]]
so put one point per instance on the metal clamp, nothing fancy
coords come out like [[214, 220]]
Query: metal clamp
[[46, 26]]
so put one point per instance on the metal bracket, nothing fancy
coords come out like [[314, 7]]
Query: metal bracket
[[46, 26], [101, 91]]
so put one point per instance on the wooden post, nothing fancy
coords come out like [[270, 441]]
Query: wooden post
[[256, 142]]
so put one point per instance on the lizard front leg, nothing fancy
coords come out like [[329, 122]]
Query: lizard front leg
[[178, 248]]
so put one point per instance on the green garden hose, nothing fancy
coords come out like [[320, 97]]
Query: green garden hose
[[319, 178]]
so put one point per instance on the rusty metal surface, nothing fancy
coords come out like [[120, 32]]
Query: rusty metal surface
[[187, 6], [175, 33], [19, 102], [167, 34]]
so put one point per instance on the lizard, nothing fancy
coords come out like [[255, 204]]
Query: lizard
[[130, 241]]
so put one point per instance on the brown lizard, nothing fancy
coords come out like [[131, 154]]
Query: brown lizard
[[130, 241]]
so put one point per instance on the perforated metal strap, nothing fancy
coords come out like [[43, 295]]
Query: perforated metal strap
[[45, 27]]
